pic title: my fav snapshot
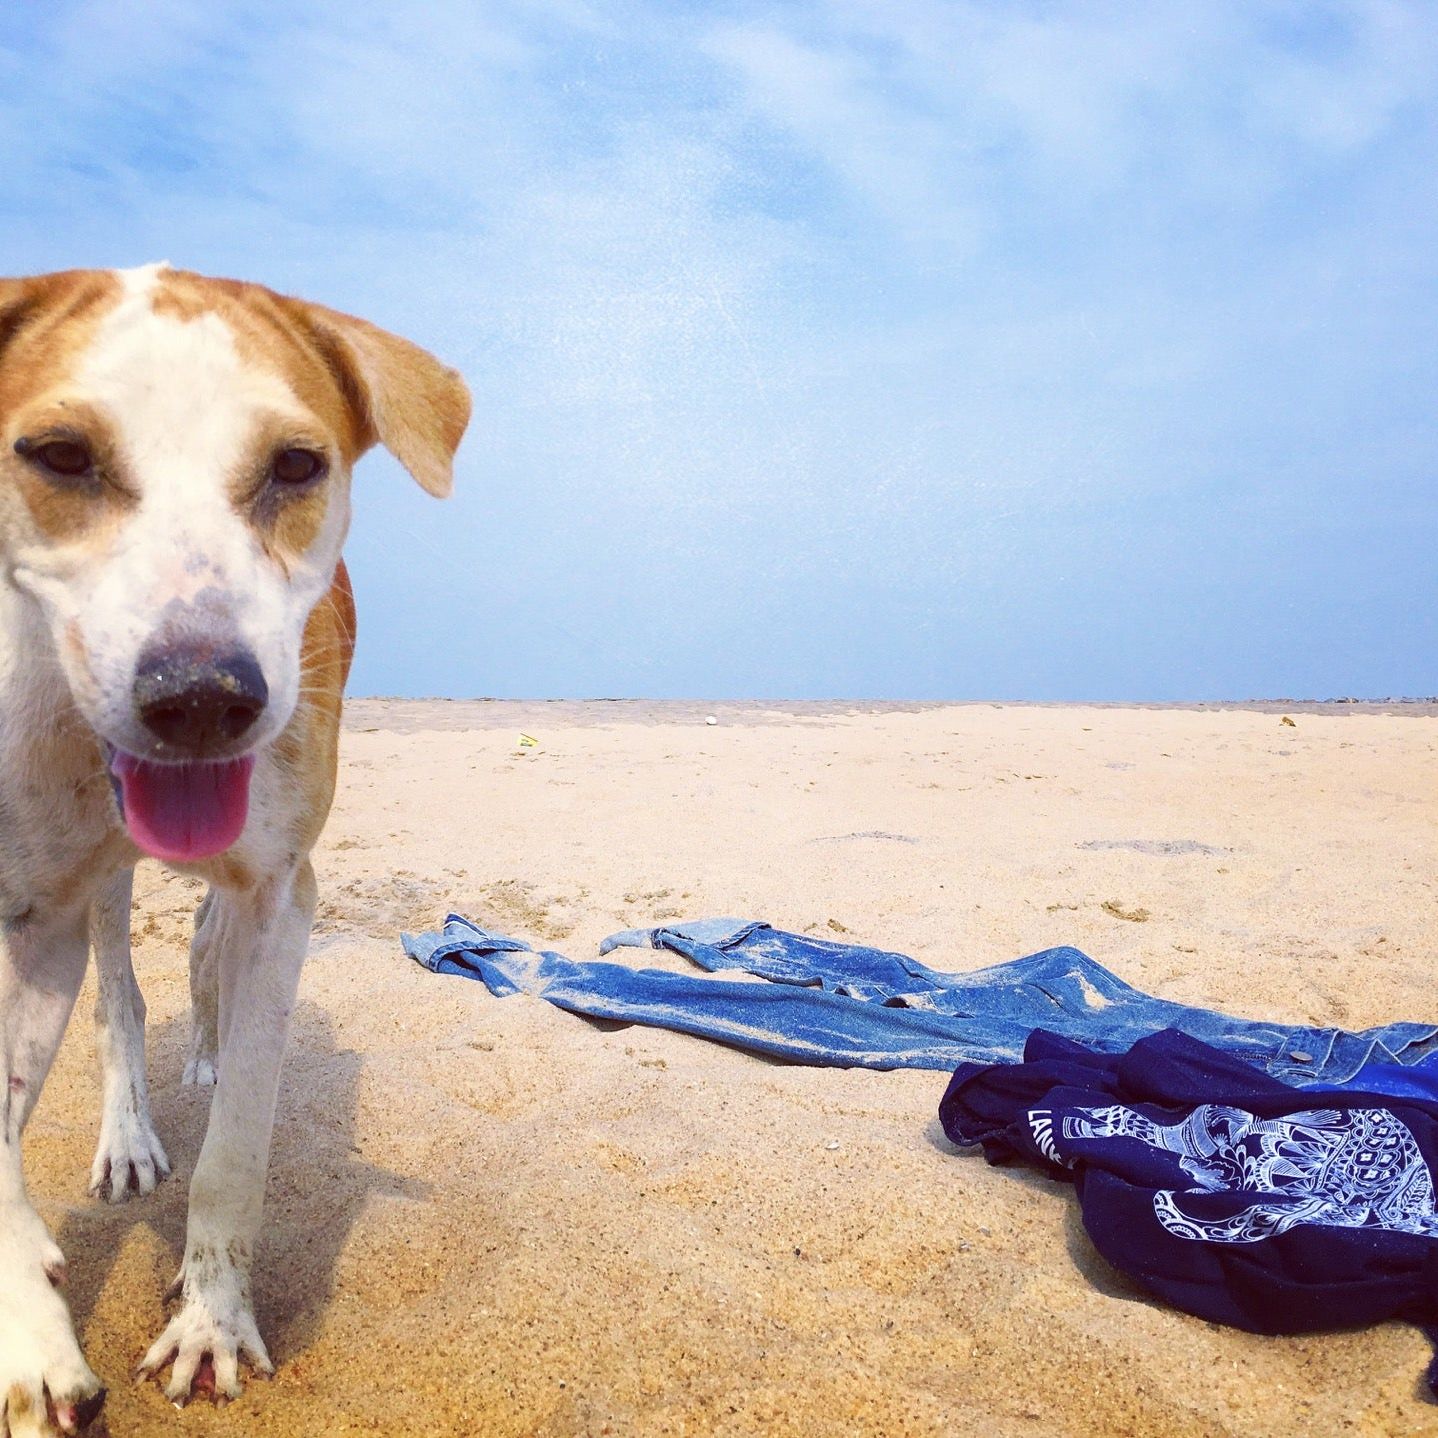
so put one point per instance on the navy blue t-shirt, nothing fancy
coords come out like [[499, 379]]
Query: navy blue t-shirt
[[1223, 1191]]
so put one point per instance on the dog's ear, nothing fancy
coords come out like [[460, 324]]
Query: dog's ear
[[32, 299], [17, 300], [403, 397]]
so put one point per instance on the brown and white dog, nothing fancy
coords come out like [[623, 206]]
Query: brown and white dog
[[175, 631]]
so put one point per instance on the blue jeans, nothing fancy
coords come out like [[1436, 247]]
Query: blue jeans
[[850, 1006]]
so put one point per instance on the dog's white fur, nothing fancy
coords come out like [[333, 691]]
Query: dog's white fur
[[187, 376]]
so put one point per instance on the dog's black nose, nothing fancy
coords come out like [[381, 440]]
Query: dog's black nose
[[198, 702]]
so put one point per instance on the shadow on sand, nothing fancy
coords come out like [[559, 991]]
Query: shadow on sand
[[318, 1184]]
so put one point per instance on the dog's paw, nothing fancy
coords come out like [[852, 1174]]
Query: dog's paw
[[129, 1157], [207, 1340], [46, 1387], [201, 1072], [201, 1064]]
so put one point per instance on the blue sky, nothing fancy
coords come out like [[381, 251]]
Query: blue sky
[[861, 348]]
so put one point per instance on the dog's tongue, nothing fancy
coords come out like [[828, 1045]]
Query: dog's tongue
[[184, 812]]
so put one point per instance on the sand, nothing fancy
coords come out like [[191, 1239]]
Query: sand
[[489, 1217]]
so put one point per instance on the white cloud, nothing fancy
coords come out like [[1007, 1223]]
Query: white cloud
[[948, 109], [833, 103]]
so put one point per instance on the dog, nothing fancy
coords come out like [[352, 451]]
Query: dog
[[176, 627]]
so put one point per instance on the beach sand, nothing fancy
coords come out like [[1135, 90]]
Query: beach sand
[[490, 1217]]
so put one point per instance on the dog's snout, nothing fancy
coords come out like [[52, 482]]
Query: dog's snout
[[197, 702]]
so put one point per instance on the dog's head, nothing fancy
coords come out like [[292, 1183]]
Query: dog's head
[[175, 456]]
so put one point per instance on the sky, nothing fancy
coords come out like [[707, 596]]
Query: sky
[[920, 349]]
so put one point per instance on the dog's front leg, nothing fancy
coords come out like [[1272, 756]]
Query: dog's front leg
[[129, 1157], [45, 1382], [260, 937], [201, 1062]]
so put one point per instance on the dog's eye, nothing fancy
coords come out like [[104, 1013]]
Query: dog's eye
[[65, 457], [297, 466]]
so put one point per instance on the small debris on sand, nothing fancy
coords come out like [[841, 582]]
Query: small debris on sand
[[1134, 916]]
